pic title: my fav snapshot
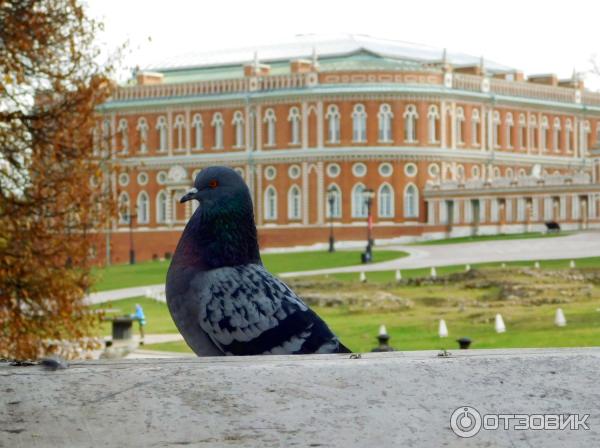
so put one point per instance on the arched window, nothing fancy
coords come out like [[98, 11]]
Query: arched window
[[217, 124], [294, 119], [433, 118], [522, 131], [384, 117], [238, 126], [359, 205], [270, 120], [568, 135], [460, 125], [161, 207], [142, 128], [585, 136], [333, 124], [143, 204], [359, 124], [385, 201], [124, 208], [161, 127], [334, 209], [496, 129], [410, 123], [509, 123], [533, 131], [544, 133], [198, 128], [270, 203], [179, 132], [294, 203], [509, 173], [411, 201], [124, 135], [556, 134], [475, 128]]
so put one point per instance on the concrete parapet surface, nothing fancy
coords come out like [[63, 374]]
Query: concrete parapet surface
[[381, 400]]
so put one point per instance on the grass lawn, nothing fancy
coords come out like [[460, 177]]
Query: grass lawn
[[389, 276], [504, 236], [154, 272]]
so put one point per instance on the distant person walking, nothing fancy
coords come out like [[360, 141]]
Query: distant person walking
[[141, 318]]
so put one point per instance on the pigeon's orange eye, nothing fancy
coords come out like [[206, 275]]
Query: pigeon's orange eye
[[213, 183]]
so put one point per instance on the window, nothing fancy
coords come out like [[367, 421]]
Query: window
[[509, 173], [294, 203], [142, 128], [359, 205], [496, 129], [385, 203], [359, 169], [522, 131], [433, 170], [568, 135], [161, 177], [294, 172], [161, 207], [384, 117], [123, 179], [270, 121], [475, 172], [198, 128], [532, 138], [410, 124], [334, 209], [294, 119], [142, 178], [433, 118], [124, 136], [556, 134], [475, 128], [217, 124], [460, 124], [411, 201], [161, 127], [460, 173], [385, 169], [585, 136], [179, 132], [333, 170], [410, 169], [359, 124], [124, 208], [509, 123], [544, 134], [270, 172], [143, 215], [238, 127], [270, 203], [333, 124]]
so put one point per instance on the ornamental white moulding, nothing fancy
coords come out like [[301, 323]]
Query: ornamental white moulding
[[448, 80], [485, 85], [177, 175]]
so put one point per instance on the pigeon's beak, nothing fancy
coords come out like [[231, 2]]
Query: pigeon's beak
[[191, 194]]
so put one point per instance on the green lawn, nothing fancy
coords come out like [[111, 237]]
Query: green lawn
[[504, 236], [154, 272], [389, 276]]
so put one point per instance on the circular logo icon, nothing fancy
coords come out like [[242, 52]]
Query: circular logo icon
[[465, 421]]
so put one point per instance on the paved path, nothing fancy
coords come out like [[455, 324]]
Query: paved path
[[580, 245], [119, 294]]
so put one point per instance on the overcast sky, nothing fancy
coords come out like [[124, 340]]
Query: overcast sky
[[533, 36]]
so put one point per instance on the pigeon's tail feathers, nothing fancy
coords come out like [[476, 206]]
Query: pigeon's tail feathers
[[343, 349]]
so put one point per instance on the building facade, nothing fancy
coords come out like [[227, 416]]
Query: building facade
[[448, 144]]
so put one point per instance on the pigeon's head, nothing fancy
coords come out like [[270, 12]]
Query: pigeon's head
[[218, 188]]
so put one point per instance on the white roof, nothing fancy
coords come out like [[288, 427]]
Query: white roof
[[302, 46]]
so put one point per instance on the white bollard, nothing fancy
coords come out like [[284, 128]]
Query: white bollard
[[363, 277], [382, 330], [560, 320], [398, 275], [503, 265], [572, 264], [433, 272], [467, 267], [499, 324], [443, 330], [536, 265]]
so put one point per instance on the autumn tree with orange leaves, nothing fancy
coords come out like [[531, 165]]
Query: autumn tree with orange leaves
[[54, 201]]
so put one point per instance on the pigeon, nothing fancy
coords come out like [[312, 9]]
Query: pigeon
[[222, 299]]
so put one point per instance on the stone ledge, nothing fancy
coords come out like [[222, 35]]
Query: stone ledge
[[384, 400]]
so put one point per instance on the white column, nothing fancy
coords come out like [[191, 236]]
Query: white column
[[443, 128], [575, 137], [188, 132], [259, 194], [483, 127], [170, 131], [320, 124], [304, 193], [247, 127], [320, 193], [539, 131], [453, 124], [304, 125]]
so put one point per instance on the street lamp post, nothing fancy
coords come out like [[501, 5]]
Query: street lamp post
[[131, 248], [369, 195], [331, 199]]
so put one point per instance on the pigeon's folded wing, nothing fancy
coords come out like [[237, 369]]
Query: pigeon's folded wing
[[246, 311]]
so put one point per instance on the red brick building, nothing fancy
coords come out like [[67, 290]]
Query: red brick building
[[450, 144]]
